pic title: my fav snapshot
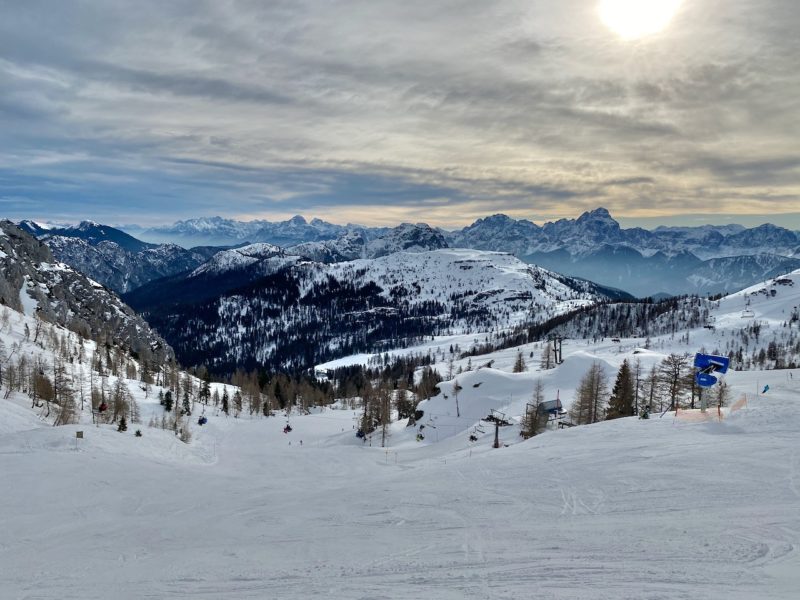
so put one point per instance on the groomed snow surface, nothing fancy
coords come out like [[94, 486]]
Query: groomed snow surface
[[623, 509]]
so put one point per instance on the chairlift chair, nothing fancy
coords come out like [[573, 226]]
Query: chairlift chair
[[553, 409]]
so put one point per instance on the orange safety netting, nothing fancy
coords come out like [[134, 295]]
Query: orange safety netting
[[739, 404], [695, 415], [712, 413]]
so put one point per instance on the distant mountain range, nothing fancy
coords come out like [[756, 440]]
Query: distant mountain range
[[114, 258], [123, 263], [667, 260], [593, 230], [217, 231], [499, 232], [356, 243], [671, 260], [89, 231]]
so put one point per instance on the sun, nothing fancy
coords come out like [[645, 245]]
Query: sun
[[632, 19]]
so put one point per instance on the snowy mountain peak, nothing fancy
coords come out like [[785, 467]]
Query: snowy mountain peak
[[35, 227], [238, 259], [88, 225], [203, 223], [599, 213], [407, 237], [350, 246], [496, 219], [597, 221]]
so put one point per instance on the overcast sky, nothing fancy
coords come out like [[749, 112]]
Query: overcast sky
[[378, 112]]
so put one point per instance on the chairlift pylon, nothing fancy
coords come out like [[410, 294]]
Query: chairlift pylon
[[748, 312]]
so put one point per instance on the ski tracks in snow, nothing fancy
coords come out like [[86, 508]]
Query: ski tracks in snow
[[574, 503]]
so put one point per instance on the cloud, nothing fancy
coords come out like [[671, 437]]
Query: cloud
[[442, 110]]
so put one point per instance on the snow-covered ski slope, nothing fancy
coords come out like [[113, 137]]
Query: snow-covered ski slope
[[771, 302], [624, 509]]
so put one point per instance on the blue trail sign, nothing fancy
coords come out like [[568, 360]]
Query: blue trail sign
[[707, 365]]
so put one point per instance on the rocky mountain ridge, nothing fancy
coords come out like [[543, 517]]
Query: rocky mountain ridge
[[34, 282]]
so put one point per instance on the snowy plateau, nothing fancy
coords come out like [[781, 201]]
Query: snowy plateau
[[684, 505], [257, 305]]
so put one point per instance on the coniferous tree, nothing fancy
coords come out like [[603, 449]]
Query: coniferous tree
[[280, 398], [168, 401], [123, 424], [187, 406], [225, 401], [368, 417], [385, 408], [519, 364], [622, 396], [237, 403], [205, 391], [427, 385], [404, 403]]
